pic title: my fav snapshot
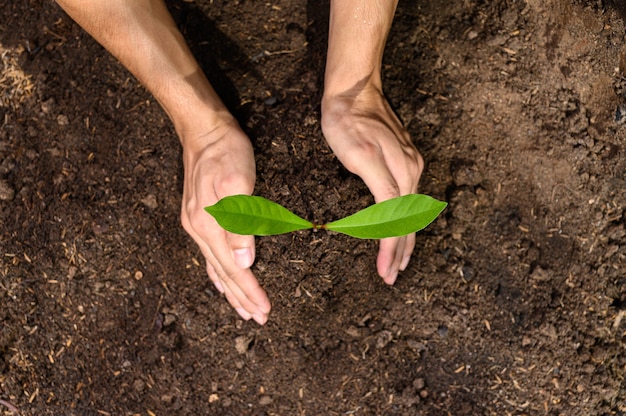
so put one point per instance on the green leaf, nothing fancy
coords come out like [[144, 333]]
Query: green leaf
[[255, 215], [392, 218]]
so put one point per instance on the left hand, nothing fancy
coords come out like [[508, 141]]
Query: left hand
[[370, 141]]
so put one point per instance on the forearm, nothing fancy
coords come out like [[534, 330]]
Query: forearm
[[356, 42], [143, 36]]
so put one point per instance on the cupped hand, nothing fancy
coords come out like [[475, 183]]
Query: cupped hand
[[370, 141], [220, 164]]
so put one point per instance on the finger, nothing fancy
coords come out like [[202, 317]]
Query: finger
[[214, 277], [206, 253], [243, 250], [241, 282], [235, 296], [228, 293], [395, 266], [378, 178], [405, 165], [234, 302], [241, 288], [238, 298], [408, 251], [244, 287], [389, 258]]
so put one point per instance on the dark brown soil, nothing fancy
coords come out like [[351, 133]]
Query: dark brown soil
[[513, 304]]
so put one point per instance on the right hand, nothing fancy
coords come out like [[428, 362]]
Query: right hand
[[369, 139], [219, 164]]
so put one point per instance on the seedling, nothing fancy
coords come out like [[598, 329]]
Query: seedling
[[255, 215]]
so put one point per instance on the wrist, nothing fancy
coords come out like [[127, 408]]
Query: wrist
[[338, 95], [192, 105], [356, 41], [340, 82], [200, 130]]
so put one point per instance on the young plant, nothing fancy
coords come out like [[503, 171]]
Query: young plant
[[255, 215]]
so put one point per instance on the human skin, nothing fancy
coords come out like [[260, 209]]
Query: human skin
[[217, 155], [357, 121]]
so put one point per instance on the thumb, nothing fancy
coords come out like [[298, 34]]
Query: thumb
[[243, 250]]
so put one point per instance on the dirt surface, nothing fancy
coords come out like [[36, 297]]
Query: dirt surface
[[513, 304]]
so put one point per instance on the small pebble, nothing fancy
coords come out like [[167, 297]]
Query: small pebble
[[150, 201], [62, 120], [139, 385], [167, 398], [620, 114], [468, 272], [419, 383], [383, 338], [242, 344], [169, 319], [7, 165], [416, 346], [7, 193], [46, 106], [442, 331], [265, 400]]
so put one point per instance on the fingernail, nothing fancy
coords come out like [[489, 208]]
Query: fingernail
[[405, 262], [218, 286], [244, 313], [260, 319], [243, 257]]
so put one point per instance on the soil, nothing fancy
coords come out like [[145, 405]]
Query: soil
[[514, 302]]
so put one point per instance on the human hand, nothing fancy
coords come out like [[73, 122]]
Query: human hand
[[369, 139], [220, 164]]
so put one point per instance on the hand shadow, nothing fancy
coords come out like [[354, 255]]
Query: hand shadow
[[216, 54]]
